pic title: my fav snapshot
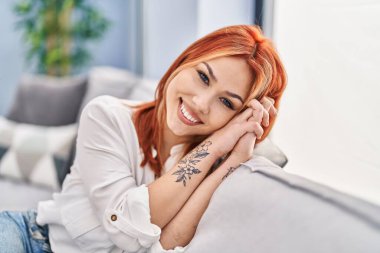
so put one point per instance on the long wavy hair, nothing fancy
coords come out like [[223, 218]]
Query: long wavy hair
[[245, 41]]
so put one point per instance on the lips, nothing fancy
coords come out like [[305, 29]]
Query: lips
[[186, 115]]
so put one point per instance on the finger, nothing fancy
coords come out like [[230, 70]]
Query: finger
[[271, 100], [258, 130], [266, 103], [273, 111], [258, 110], [246, 142], [258, 115], [254, 103], [247, 138], [265, 118], [255, 128], [243, 116]]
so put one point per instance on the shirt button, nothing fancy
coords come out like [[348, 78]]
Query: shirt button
[[113, 217]]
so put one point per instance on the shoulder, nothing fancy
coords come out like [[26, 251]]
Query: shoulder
[[106, 102], [108, 110], [110, 106]]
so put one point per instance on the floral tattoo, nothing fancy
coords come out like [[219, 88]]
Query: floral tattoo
[[230, 170], [187, 164]]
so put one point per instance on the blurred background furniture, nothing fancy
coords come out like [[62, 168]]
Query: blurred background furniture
[[37, 135]]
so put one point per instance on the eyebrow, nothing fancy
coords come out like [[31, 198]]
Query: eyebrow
[[235, 96], [214, 77], [210, 71]]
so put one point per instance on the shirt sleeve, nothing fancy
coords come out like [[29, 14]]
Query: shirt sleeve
[[139, 199], [157, 248], [103, 159]]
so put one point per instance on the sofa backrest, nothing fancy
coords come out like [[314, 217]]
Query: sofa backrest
[[262, 208]]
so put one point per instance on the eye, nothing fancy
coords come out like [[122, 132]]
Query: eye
[[206, 80], [227, 103], [203, 77]]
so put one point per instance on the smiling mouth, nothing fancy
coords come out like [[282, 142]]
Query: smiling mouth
[[186, 116]]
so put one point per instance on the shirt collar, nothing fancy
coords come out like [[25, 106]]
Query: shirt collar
[[176, 149]]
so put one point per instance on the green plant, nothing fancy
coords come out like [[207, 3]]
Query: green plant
[[57, 32]]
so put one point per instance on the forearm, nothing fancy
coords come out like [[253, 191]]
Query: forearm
[[181, 229], [169, 193]]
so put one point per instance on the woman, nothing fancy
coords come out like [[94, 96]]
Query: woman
[[143, 174]]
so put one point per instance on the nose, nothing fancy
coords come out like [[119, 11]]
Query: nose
[[202, 103]]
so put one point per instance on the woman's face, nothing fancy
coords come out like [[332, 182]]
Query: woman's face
[[203, 98]]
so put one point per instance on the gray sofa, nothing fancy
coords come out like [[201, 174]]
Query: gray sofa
[[259, 208]]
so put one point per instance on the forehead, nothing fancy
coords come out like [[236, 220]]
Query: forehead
[[233, 74]]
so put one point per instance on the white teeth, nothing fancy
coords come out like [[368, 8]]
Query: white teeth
[[187, 115]]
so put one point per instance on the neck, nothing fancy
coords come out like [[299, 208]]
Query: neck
[[169, 140]]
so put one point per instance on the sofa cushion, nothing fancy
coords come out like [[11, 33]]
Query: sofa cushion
[[47, 101], [21, 196], [144, 90], [271, 151], [35, 154], [261, 208], [108, 81]]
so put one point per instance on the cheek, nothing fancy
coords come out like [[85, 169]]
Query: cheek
[[172, 94], [219, 119], [184, 83], [174, 88], [170, 90]]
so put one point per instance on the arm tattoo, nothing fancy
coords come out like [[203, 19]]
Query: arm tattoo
[[230, 170], [186, 165]]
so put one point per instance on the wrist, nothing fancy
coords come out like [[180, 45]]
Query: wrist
[[217, 148], [228, 166], [233, 160]]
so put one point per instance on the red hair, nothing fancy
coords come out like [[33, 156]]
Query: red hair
[[245, 41]]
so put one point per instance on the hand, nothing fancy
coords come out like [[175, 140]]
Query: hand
[[270, 110], [243, 149], [226, 138]]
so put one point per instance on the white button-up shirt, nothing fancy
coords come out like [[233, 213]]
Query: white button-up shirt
[[104, 202]]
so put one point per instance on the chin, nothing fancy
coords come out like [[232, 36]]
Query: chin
[[177, 128]]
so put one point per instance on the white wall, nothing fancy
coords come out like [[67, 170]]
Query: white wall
[[169, 26], [215, 14], [11, 55], [329, 119]]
